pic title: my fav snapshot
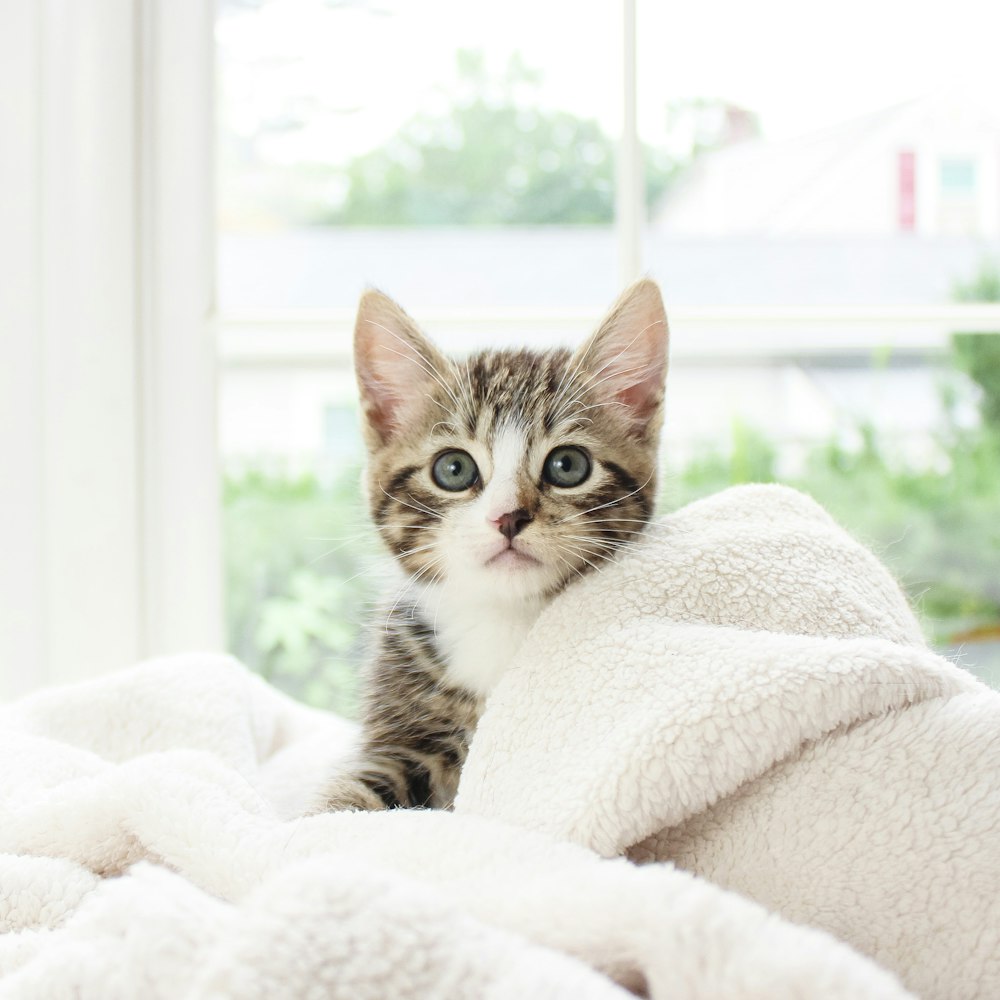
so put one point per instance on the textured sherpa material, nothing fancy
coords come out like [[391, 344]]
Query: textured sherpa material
[[152, 844], [746, 693]]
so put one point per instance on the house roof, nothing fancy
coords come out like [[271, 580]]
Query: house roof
[[551, 268]]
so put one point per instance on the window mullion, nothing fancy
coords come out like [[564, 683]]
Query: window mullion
[[629, 193]]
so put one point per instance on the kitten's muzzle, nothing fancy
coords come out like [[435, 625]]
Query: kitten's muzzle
[[512, 523]]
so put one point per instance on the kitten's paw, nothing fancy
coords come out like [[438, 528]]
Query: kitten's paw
[[344, 794]]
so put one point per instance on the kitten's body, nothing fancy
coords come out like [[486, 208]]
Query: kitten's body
[[484, 555]]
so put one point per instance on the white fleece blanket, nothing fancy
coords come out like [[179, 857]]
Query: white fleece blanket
[[747, 694], [151, 846]]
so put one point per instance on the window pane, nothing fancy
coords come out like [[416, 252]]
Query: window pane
[[813, 229], [827, 200], [958, 177], [416, 148]]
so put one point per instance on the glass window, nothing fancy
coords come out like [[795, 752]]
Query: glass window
[[814, 225], [417, 148], [463, 162], [958, 177]]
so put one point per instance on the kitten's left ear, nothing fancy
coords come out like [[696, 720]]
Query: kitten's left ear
[[625, 361], [395, 364]]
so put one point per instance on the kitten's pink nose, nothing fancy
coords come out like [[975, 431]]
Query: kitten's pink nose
[[513, 522]]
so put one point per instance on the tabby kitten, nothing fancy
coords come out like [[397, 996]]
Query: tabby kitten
[[495, 482]]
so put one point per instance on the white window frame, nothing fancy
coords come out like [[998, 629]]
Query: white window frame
[[109, 499], [630, 193]]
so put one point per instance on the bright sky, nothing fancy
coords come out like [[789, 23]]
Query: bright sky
[[799, 64]]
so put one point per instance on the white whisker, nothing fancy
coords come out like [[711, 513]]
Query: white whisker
[[418, 509], [575, 550], [610, 503], [616, 520], [409, 585], [418, 548]]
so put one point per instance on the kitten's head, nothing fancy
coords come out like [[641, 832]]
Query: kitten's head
[[511, 472]]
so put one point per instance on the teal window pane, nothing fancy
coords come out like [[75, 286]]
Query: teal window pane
[[958, 176]]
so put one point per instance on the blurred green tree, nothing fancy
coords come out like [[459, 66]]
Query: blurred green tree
[[984, 286], [300, 578], [978, 354], [495, 158]]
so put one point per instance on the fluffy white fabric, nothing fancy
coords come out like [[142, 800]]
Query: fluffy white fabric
[[746, 693], [152, 845]]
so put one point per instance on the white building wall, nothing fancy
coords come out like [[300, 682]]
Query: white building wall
[[845, 181]]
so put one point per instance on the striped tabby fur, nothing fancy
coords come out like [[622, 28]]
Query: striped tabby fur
[[480, 562]]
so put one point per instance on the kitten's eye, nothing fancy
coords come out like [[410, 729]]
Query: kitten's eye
[[566, 466], [455, 471]]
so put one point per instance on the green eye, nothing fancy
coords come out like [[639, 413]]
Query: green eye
[[567, 466], [454, 471]]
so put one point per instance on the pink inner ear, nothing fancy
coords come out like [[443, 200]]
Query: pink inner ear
[[394, 364], [629, 353], [381, 405], [642, 397], [634, 366], [379, 399]]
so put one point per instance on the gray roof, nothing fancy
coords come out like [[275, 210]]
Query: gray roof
[[574, 267]]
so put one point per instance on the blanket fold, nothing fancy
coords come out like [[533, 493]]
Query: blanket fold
[[746, 692], [153, 844]]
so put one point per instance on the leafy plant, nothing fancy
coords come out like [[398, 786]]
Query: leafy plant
[[301, 575], [979, 355], [302, 634], [984, 285]]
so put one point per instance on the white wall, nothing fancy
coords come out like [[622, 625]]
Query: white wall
[[108, 507], [843, 181], [22, 605]]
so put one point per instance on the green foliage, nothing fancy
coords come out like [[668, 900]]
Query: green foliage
[[303, 635], [984, 286], [979, 355], [937, 527], [484, 165], [300, 577], [749, 458], [495, 158]]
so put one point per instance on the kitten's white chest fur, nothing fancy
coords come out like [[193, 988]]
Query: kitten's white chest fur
[[478, 635]]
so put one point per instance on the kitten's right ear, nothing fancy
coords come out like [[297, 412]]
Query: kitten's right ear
[[625, 362], [395, 364]]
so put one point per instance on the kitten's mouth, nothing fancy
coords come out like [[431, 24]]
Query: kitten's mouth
[[512, 558]]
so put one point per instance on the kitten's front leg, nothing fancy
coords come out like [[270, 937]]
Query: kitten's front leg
[[396, 779], [348, 791], [415, 730]]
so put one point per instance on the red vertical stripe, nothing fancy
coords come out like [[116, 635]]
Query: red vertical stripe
[[907, 190]]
